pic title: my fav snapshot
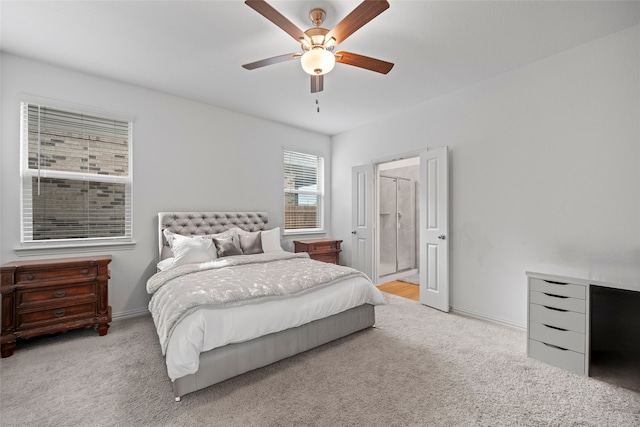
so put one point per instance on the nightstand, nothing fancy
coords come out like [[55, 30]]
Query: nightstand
[[327, 250]]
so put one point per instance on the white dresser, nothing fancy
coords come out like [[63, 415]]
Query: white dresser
[[558, 324], [559, 311]]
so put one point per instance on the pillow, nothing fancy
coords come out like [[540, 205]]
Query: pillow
[[250, 243], [171, 237], [227, 246], [165, 264], [271, 240], [187, 250]]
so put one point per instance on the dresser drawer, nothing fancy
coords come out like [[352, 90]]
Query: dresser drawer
[[60, 295], [558, 288], [565, 359], [557, 301], [323, 247], [328, 257], [569, 320], [60, 314], [81, 272], [565, 339]]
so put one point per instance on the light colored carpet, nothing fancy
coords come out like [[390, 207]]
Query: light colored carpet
[[419, 367]]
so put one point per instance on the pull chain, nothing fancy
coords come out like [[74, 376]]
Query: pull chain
[[317, 102]]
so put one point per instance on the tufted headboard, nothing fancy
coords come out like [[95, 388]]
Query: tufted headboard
[[198, 223]]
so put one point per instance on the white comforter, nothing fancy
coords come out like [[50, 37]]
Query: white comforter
[[209, 327]]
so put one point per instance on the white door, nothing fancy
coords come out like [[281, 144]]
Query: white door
[[362, 219], [434, 229]]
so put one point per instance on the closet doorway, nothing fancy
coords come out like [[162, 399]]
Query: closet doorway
[[398, 220]]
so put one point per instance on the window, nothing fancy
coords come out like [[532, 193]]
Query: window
[[76, 177], [303, 192]]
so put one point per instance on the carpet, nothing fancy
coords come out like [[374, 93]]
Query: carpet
[[418, 367]]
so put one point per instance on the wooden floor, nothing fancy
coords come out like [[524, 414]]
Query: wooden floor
[[401, 289]]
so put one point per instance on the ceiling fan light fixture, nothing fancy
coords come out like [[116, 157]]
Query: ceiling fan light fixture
[[317, 61]]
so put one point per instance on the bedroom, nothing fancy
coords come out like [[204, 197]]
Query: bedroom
[[545, 165]]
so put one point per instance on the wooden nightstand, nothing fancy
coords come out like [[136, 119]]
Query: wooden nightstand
[[47, 296], [327, 250]]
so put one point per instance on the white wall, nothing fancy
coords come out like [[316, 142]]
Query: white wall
[[186, 156], [545, 168]]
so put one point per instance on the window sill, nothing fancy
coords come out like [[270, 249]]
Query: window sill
[[302, 232], [53, 249]]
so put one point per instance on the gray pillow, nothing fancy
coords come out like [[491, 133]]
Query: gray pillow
[[251, 243], [227, 246]]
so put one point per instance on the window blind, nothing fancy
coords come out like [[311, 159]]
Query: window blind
[[76, 175], [303, 191]]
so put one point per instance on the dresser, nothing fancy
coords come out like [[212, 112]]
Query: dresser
[[558, 323], [327, 250], [576, 312], [55, 295]]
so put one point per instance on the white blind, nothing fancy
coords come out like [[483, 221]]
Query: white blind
[[303, 191], [76, 175]]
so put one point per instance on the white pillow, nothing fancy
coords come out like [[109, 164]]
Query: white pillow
[[165, 264], [271, 240], [187, 250]]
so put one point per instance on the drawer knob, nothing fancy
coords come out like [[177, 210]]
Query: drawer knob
[[59, 313], [31, 277], [85, 270], [59, 293]]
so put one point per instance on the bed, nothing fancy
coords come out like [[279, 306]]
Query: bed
[[220, 313]]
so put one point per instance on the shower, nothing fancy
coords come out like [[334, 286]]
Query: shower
[[397, 222]]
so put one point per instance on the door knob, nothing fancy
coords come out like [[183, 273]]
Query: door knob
[[353, 232], [441, 236]]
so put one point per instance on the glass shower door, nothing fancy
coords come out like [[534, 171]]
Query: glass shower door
[[388, 226], [397, 225], [406, 245]]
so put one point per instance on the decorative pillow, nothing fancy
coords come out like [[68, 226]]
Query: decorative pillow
[[227, 246], [250, 243], [187, 250], [271, 240]]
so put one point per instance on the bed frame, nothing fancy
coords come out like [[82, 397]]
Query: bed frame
[[231, 360]]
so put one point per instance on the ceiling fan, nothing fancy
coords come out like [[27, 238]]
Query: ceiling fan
[[318, 43]]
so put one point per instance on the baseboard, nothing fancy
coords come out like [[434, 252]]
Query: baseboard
[[129, 314], [488, 318]]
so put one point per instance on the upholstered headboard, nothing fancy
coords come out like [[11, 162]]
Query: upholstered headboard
[[198, 223]]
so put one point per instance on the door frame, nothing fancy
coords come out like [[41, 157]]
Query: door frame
[[376, 203]]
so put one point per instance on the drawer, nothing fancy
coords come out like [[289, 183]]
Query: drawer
[[558, 288], [331, 258], [59, 294], [557, 301], [565, 359], [323, 247], [566, 339], [569, 320], [87, 272], [57, 315]]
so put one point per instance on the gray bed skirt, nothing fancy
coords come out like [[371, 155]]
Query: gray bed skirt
[[231, 360]]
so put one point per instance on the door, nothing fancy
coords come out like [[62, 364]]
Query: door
[[434, 229], [362, 219]]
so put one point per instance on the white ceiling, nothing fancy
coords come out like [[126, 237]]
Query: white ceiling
[[195, 49]]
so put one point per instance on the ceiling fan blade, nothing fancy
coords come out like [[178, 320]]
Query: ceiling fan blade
[[266, 10], [365, 12], [365, 62], [317, 83], [270, 61]]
